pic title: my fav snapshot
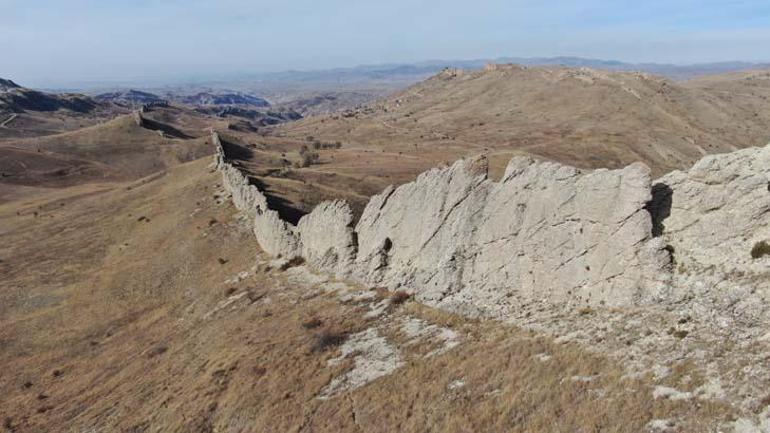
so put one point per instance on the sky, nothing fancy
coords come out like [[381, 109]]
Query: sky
[[55, 42]]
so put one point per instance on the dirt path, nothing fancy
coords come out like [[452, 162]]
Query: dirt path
[[10, 119]]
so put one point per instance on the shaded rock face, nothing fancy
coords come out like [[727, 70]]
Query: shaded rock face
[[714, 214], [545, 232]]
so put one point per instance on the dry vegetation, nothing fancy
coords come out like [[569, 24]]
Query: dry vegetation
[[584, 118], [140, 304], [166, 338]]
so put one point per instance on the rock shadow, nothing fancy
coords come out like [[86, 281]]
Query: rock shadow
[[286, 209], [660, 207], [167, 130]]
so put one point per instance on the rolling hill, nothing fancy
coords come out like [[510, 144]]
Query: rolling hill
[[584, 117], [114, 150], [30, 113]]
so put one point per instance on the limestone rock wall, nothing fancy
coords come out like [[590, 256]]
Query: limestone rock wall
[[137, 117], [544, 232], [275, 236], [327, 238], [455, 238], [713, 214]]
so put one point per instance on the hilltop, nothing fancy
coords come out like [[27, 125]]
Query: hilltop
[[584, 117], [120, 149], [29, 113]]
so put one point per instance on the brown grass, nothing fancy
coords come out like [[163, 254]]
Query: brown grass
[[134, 288]]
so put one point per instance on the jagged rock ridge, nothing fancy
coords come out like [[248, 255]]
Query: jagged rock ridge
[[545, 232]]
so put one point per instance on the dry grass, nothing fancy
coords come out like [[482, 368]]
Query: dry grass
[[135, 346]]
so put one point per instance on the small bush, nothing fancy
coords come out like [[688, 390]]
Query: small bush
[[312, 323], [157, 351], [307, 158], [760, 249], [328, 339]]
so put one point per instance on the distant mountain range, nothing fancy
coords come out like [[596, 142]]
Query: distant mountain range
[[206, 98], [387, 74], [129, 97], [423, 69]]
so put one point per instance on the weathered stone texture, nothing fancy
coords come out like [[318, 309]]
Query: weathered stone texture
[[544, 232], [713, 214], [327, 238]]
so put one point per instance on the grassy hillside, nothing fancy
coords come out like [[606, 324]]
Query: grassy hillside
[[582, 117]]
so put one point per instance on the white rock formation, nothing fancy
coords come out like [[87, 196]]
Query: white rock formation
[[274, 235], [545, 232], [328, 241], [714, 213]]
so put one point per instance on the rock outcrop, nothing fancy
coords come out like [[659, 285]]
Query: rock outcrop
[[327, 238], [137, 117], [275, 236], [544, 232], [714, 214]]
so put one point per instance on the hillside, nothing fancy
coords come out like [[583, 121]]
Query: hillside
[[148, 286], [30, 113], [583, 117], [114, 150], [189, 326]]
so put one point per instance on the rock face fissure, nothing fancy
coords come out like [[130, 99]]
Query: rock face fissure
[[545, 232]]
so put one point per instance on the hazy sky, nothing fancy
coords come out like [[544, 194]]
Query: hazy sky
[[55, 42]]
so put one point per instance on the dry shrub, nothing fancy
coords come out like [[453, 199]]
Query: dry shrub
[[294, 262], [312, 323], [328, 339], [760, 249]]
